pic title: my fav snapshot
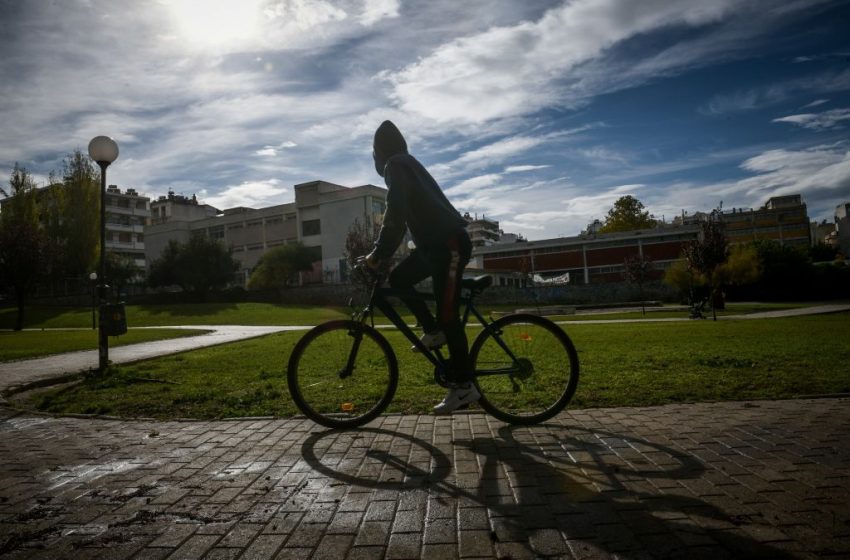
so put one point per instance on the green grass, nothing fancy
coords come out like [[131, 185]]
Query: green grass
[[21, 345], [271, 314], [622, 365], [636, 313], [180, 314]]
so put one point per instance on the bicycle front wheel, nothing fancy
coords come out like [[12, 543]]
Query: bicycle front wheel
[[342, 374], [526, 369]]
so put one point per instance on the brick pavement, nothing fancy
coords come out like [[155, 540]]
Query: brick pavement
[[726, 480]]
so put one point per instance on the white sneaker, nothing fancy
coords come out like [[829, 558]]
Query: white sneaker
[[431, 340], [459, 395]]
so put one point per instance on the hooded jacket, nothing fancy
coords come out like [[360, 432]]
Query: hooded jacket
[[414, 199]]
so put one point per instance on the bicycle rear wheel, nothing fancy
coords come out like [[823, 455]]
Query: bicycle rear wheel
[[535, 380], [342, 374]]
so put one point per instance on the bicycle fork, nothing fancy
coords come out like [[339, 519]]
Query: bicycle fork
[[348, 370]]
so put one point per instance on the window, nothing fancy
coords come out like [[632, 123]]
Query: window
[[311, 227], [234, 226], [216, 232], [140, 237], [140, 204], [124, 237], [378, 207]]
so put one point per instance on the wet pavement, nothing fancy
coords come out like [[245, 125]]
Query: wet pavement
[[765, 479]]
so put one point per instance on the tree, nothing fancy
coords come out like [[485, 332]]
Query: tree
[[821, 252], [711, 264], [79, 205], [120, 270], [359, 241], [279, 267], [705, 254], [198, 266], [627, 214], [163, 270], [636, 271], [23, 246], [788, 271]]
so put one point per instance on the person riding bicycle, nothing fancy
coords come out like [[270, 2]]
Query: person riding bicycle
[[415, 202]]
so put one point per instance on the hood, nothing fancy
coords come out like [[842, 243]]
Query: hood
[[388, 142]]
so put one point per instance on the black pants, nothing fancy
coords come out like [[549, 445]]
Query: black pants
[[444, 264]]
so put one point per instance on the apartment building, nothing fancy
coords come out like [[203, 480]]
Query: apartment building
[[783, 219], [842, 228], [482, 232], [127, 213], [319, 218], [176, 207]]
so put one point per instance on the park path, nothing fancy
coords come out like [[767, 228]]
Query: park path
[[23, 372]]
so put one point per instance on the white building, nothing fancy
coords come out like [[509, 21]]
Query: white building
[[482, 232], [842, 228], [127, 214], [319, 218]]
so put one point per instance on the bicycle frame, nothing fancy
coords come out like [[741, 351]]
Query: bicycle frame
[[378, 299]]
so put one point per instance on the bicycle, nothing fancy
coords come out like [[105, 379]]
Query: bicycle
[[344, 373]]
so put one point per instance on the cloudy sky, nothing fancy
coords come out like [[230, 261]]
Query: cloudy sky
[[536, 113]]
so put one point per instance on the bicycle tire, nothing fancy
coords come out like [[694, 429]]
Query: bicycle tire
[[334, 401], [547, 354]]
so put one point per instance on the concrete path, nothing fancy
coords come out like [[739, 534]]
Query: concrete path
[[22, 372], [727, 480], [796, 312]]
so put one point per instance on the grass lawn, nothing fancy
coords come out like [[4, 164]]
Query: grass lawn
[[622, 365], [180, 314], [21, 345], [271, 314]]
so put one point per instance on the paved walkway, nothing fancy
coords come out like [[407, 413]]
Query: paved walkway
[[727, 480], [23, 372]]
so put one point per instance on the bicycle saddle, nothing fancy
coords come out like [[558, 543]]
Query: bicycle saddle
[[478, 284]]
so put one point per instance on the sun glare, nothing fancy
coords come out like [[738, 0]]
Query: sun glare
[[216, 23]]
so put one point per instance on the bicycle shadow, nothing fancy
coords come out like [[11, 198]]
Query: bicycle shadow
[[571, 494]]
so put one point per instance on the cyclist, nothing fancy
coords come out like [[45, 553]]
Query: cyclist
[[415, 202]]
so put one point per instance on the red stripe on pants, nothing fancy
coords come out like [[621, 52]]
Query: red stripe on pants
[[447, 312]]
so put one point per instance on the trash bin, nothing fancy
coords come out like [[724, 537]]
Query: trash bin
[[114, 319]]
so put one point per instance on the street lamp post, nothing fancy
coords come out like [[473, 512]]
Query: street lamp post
[[104, 151], [93, 278]]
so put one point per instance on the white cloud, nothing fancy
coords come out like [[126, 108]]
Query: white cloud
[[815, 103], [272, 151], [574, 212], [376, 10], [524, 168], [768, 95], [821, 174], [474, 184], [602, 156], [818, 121], [519, 69], [250, 194]]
